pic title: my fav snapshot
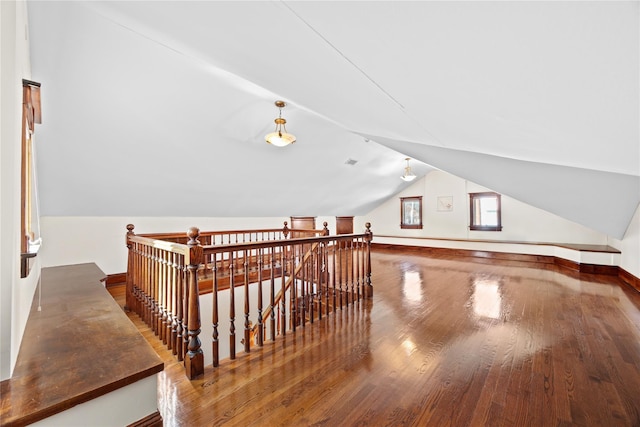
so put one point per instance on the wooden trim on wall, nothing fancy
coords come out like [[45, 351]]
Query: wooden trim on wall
[[607, 270], [629, 278], [116, 279], [541, 259], [151, 420]]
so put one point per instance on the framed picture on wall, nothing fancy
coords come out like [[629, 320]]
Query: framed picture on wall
[[445, 203]]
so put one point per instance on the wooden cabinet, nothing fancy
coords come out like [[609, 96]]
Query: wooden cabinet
[[303, 222], [344, 225]]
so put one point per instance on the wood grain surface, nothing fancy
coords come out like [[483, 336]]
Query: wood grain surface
[[444, 341], [77, 347]]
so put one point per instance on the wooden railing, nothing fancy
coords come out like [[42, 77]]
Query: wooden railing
[[277, 284], [228, 237]]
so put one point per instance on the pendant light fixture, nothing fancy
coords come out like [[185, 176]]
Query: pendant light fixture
[[280, 137], [408, 175]]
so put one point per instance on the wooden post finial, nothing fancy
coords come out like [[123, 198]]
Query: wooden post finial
[[130, 232], [193, 233], [326, 228]]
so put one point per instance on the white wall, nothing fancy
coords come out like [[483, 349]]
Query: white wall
[[121, 407], [520, 221], [15, 294], [75, 240], [630, 246]]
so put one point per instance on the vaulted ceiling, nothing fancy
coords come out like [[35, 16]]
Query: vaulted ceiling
[[160, 108]]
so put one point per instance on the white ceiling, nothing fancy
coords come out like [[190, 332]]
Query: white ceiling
[[160, 108]]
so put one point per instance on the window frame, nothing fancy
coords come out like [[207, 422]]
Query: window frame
[[29, 228], [405, 202], [472, 213]]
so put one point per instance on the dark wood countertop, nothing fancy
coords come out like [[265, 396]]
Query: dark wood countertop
[[78, 347]]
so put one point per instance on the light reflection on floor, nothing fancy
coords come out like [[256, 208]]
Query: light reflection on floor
[[487, 299], [412, 286]]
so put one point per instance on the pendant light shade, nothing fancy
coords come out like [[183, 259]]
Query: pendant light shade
[[280, 137], [408, 175]]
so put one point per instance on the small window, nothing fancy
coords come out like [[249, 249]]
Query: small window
[[29, 230], [411, 212], [485, 211]]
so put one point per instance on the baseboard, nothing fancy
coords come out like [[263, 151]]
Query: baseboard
[[152, 420], [629, 279], [506, 256], [116, 279], [607, 270]]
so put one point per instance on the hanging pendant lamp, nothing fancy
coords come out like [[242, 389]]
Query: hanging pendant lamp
[[280, 137], [408, 175]]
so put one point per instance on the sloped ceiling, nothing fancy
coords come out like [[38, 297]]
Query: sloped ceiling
[[160, 108]]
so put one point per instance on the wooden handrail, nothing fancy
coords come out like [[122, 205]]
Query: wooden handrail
[[177, 248], [208, 237], [313, 274]]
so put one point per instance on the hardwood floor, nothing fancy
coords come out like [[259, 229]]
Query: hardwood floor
[[443, 342]]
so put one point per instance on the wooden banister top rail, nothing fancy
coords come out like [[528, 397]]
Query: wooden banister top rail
[[79, 346], [285, 230], [276, 243], [209, 233], [161, 244]]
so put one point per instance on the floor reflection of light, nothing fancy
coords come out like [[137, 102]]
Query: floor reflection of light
[[409, 346], [412, 286], [487, 300]]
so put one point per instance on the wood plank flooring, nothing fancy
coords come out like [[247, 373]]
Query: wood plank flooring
[[443, 342]]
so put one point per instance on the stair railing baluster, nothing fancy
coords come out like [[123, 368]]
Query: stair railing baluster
[[163, 283], [293, 257], [174, 298], [272, 322], [162, 321], [232, 307], [304, 283], [194, 360], [368, 238], [215, 344], [283, 299], [260, 336], [247, 325], [185, 308]]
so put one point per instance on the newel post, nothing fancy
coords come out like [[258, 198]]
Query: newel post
[[194, 359], [285, 230], [129, 297], [368, 236]]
